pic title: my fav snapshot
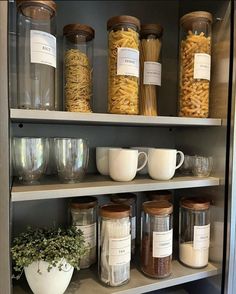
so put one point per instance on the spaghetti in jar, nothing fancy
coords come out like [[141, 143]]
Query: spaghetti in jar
[[123, 62], [78, 67]]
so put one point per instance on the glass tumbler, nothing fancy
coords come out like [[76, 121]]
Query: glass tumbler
[[202, 166], [71, 156], [30, 158]]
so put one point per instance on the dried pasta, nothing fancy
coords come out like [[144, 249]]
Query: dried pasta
[[122, 89], [78, 81], [194, 93]]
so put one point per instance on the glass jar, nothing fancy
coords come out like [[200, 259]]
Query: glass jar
[[123, 63], [150, 74], [36, 49], [129, 199], [84, 217], [78, 67], [114, 244], [194, 234], [156, 238], [195, 64], [160, 196]]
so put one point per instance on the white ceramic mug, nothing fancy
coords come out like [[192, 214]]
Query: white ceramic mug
[[162, 163], [102, 162], [123, 164], [143, 171]]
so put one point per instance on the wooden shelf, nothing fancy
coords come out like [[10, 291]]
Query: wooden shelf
[[63, 117], [86, 281], [50, 187]]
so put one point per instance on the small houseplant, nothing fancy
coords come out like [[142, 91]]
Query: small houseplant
[[48, 257]]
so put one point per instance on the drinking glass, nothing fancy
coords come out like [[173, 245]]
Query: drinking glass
[[202, 166]]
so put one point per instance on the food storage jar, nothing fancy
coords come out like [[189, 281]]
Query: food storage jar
[[194, 232], [114, 244], [37, 57], [161, 195], [129, 199], [123, 64], [195, 64], [78, 67], [84, 217], [156, 238], [150, 65]]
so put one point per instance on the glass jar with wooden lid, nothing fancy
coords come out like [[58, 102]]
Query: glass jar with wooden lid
[[194, 232], [150, 63], [84, 217], [123, 64], [195, 64], [160, 195], [157, 238], [114, 244], [78, 67]]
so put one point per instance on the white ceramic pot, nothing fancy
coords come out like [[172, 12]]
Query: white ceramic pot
[[53, 282]]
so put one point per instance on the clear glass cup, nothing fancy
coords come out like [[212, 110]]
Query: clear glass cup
[[187, 166], [30, 158], [202, 166], [71, 156]]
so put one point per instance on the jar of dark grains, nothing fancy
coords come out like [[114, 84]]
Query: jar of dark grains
[[156, 238]]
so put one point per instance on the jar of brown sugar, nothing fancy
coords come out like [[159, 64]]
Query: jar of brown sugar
[[156, 238]]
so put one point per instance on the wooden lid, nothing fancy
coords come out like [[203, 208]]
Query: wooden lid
[[151, 29], [81, 29], [195, 203], [115, 211], [123, 19], [189, 18], [83, 202], [124, 198], [48, 3], [160, 195], [158, 207]]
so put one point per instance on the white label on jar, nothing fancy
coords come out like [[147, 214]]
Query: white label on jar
[[119, 250], [202, 66], [43, 48], [152, 73], [127, 62], [201, 237], [162, 244], [90, 234], [133, 227]]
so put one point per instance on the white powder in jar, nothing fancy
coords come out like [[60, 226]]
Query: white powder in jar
[[193, 257]]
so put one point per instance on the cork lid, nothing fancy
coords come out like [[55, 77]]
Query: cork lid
[[83, 202], [151, 29], [124, 198], [123, 19], [80, 29], [195, 203], [115, 211], [158, 207], [189, 18], [49, 3], [160, 195]]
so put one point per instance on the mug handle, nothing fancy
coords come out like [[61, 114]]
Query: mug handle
[[145, 161], [181, 159]]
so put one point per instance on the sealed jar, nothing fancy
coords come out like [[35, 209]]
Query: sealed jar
[[114, 244], [194, 234], [150, 63], [78, 67], [36, 50], [156, 238], [195, 64], [84, 217], [161, 195], [123, 64], [129, 199]]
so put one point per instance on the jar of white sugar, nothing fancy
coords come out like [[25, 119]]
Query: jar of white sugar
[[194, 235]]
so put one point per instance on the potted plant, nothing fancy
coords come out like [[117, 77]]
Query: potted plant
[[48, 257]]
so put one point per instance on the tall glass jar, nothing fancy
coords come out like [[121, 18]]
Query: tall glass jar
[[195, 64], [123, 64], [157, 238], [150, 63], [129, 199], [84, 217], [114, 244], [194, 234], [78, 67], [36, 49]]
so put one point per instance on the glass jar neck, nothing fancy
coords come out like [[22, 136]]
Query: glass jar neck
[[124, 27], [37, 12]]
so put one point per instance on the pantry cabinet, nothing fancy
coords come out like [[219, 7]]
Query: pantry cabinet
[[47, 203]]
